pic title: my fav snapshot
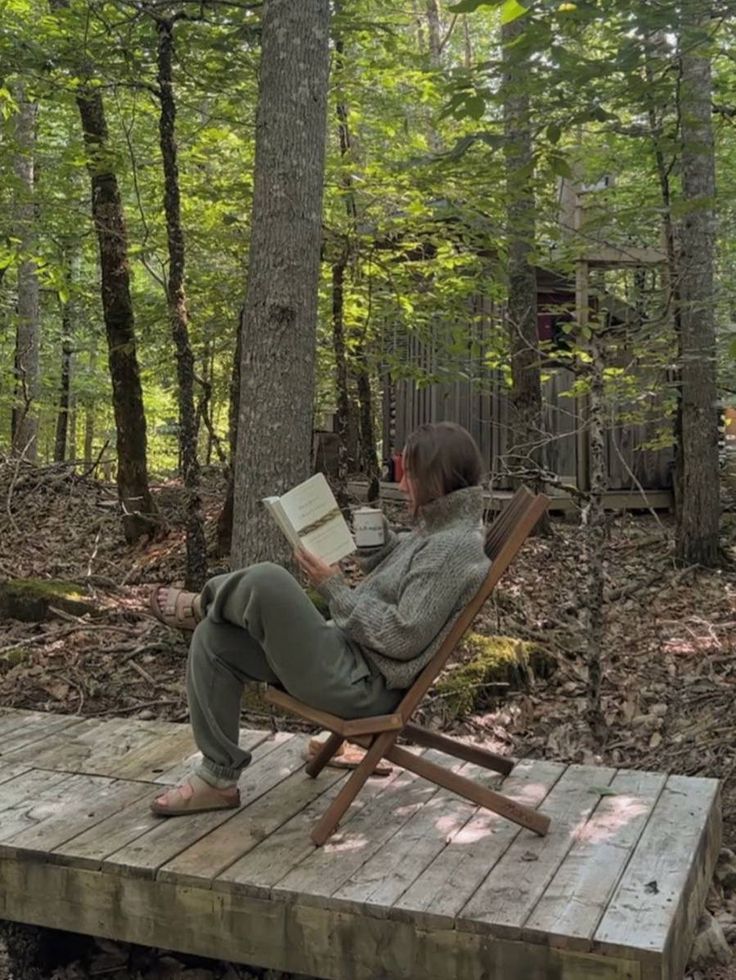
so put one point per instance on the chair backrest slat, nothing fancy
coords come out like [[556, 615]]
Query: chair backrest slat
[[514, 531], [502, 525]]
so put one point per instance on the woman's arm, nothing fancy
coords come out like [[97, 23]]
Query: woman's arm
[[429, 595]]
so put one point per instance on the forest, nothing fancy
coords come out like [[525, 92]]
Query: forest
[[243, 241]]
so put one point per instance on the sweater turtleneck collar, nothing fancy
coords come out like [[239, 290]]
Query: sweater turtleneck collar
[[461, 506]]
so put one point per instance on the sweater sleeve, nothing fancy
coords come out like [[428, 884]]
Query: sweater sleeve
[[402, 630]]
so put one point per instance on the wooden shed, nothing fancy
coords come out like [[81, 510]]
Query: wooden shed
[[475, 395]]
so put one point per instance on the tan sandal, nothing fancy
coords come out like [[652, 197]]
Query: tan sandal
[[347, 757], [195, 796], [180, 609]]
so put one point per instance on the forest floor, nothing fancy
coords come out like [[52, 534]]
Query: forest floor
[[668, 687]]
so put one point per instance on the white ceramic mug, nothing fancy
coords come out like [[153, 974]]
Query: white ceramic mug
[[368, 527]]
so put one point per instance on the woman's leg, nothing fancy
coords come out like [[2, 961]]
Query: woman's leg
[[259, 625], [222, 658], [311, 658]]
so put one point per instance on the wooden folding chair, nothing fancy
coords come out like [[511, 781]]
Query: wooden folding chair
[[378, 734]]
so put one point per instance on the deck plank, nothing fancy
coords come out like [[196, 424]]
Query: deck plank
[[272, 859], [677, 846], [381, 880], [446, 885], [320, 875], [9, 770], [79, 802], [571, 907], [11, 718], [159, 845], [32, 728], [24, 798], [78, 748], [515, 884], [227, 844], [94, 844]]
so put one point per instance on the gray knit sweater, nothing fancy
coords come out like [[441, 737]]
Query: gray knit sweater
[[418, 583]]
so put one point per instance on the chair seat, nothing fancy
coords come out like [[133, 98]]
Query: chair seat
[[343, 726]]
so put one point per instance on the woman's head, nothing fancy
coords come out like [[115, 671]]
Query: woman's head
[[439, 458]]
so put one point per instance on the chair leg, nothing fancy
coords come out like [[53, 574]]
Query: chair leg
[[525, 816], [336, 810], [315, 766], [460, 750]]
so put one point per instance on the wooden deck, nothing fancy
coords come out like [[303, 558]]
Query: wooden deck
[[416, 884]]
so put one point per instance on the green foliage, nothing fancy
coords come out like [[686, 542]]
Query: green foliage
[[415, 204]]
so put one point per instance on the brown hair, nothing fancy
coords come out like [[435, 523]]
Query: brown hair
[[439, 458]]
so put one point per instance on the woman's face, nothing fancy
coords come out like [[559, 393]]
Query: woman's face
[[407, 485]]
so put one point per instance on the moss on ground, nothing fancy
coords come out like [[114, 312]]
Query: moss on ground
[[494, 665], [29, 599]]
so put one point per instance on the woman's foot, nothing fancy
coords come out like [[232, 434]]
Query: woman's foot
[[195, 796], [176, 607], [347, 757]]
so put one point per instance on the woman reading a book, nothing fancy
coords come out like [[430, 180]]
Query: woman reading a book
[[257, 623]]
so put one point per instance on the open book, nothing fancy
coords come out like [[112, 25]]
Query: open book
[[310, 518]]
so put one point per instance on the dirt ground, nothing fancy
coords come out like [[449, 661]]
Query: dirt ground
[[669, 673]]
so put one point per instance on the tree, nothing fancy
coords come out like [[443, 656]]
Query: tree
[[521, 305], [27, 337], [279, 322], [130, 420], [697, 459], [178, 313]]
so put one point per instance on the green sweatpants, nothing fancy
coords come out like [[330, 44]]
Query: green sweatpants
[[260, 626]]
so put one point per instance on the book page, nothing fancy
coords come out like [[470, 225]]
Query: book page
[[312, 510]]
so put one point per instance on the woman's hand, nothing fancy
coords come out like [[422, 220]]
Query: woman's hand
[[317, 571]]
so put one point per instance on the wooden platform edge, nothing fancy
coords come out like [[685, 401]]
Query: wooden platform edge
[[278, 935], [685, 921]]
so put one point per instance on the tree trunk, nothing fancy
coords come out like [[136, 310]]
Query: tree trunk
[[434, 25], [25, 412], [279, 325], [62, 417], [196, 545], [342, 426], [347, 422], [130, 421], [697, 459], [594, 533], [525, 454], [225, 520], [89, 408], [368, 457]]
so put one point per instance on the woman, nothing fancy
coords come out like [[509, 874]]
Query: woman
[[257, 624]]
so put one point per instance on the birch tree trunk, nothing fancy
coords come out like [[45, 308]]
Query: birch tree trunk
[[697, 459], [196, 546], [25, 412], [280, 317]]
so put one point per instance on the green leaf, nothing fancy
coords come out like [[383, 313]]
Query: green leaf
[[559, 165], [553, 133], [475, 106], [603, 791], [512, 10], [468, 6]]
